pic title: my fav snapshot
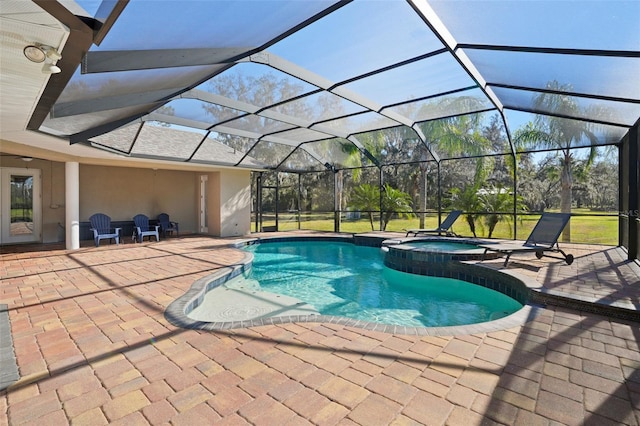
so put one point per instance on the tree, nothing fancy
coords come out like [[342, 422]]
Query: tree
[[166, 110], [352, 159], [366, 198], [551, 132], [385, 146], [394, 202], [454, 136], [424, 169], [467, 200], [503, 167], [601, 187], [498, 200], [536, 183], [268, 88]]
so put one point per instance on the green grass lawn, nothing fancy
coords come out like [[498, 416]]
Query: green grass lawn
[[21, 214], [590, 228]]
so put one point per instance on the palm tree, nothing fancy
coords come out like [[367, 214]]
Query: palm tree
[[394, 201], [352, 159], [459, 136], [467, 200], [366, 198], [497, 200], [550, 132], [422, 184]]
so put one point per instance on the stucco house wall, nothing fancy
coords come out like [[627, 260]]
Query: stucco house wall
[[123, 192]]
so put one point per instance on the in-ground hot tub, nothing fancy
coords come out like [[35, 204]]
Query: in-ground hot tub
[[436, 250]]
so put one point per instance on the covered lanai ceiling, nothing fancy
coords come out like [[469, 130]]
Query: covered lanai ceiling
[[303, 85]]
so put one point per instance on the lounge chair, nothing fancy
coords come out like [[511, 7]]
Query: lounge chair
[[444, 228], [142, 229], [543, 238], [167, 225], [102, 230]]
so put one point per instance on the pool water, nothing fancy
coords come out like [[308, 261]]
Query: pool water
[[441, 246], [351, 281]]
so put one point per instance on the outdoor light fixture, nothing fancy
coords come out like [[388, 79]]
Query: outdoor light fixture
[[51, 53], [43, 53], [49, 68], [34, 53], [26, 159]]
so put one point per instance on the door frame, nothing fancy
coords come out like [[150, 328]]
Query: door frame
[[203, 222], [5, 209]]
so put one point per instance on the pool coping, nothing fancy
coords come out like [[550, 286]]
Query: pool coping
[[177, 312]]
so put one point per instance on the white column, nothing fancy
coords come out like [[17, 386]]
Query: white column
[[72, 205], [234, 193]]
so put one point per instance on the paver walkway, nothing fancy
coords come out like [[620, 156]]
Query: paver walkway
[[93, 347]]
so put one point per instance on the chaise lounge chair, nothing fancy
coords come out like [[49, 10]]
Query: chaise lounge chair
[[102, 230], [142, 228], [444, 228], [543, 238]]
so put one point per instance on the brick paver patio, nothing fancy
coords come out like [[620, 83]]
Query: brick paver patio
[[93, 347]]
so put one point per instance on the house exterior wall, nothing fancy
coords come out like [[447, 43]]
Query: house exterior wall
[[52, 193], [229, 203], [213, 203], [235, 203], [122, 193]]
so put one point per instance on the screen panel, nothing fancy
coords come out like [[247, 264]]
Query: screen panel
[[167, 140], [368, 48], [431, 76]]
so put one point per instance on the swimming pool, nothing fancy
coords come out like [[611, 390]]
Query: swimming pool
[[346, 280]]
